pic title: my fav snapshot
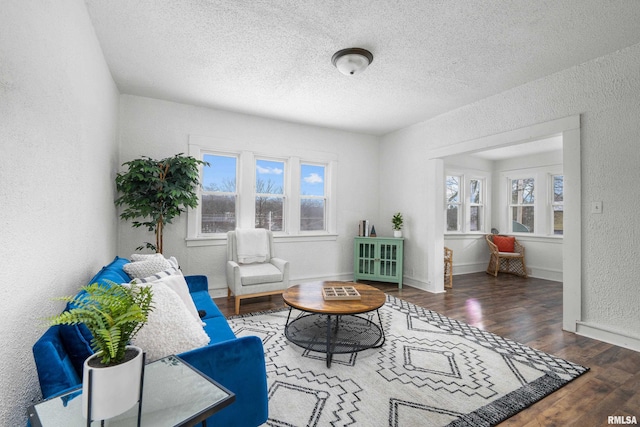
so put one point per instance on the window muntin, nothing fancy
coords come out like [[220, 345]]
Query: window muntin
[[476, 205], [557, 204], [270, 194], [313, 200], [453, 203], [218, 203], [522, 205]]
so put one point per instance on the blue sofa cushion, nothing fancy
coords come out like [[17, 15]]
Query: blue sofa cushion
[[58, 373], [203, 302], [218, 330], [77, 341], [112, 272], [77, 338]]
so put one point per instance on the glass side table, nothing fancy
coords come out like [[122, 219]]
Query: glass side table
[[174, 394]]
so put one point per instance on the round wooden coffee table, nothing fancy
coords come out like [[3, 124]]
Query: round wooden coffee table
[[333, 326]]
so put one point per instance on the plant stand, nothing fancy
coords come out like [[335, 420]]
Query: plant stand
[[90, 395]]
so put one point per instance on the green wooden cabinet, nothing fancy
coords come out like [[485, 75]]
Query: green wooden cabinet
[[378, 259]]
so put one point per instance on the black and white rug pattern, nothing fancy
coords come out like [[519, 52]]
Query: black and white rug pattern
[[431, 371]]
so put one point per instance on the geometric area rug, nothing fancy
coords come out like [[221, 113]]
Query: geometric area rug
[[431, 371]]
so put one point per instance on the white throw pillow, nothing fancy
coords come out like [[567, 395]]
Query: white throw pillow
[[158, 275], [177, 284], [147, 267], [170, 328], [143, 257], [174, 262]]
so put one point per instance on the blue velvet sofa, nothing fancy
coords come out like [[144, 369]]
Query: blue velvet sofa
[[236, 363]]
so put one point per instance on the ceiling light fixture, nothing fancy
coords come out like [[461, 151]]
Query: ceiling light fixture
[[352, 60]]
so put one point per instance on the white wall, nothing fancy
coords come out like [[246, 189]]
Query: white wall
[[605, 93], [58, 131], [160, 129]]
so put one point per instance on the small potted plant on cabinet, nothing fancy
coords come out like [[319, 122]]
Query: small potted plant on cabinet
[[397, 222], [113, 314]]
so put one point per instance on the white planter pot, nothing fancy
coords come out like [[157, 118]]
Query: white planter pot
[[397, 233], [114, 390]]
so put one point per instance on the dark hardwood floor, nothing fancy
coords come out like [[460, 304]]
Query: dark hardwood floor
[[528, 311]]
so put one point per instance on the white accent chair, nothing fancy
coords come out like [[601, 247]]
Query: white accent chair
[[255, 279]]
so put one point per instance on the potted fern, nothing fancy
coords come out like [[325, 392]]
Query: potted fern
[[397, 222], [113, 314]]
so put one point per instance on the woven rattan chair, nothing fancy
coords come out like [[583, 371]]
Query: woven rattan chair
[[506, 262], [448, 268]]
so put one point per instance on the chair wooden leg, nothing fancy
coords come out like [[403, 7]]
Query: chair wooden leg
[[494, 265], [237, 304]]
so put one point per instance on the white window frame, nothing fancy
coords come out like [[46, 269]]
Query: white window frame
[[285, 165], [552, 203], [481, 205], [459, 203], [201, 192], [534, 205], [323, 197], [246, 183], [464, 206], [543, 196]]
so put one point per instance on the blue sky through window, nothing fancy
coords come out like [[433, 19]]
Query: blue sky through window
[[270, 171], [311, 180], [220, 173]]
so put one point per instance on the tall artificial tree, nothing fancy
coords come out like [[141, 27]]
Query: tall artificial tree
[[154, 192]]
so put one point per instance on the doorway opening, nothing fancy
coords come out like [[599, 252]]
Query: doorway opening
[[568, 129]]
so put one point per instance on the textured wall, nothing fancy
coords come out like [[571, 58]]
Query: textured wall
[[58, 125], [159, 129], [606, 93]]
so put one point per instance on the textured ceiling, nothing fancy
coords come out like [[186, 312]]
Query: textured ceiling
[[273, 58]]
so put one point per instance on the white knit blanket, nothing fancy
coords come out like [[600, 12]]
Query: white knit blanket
[[253, 245]]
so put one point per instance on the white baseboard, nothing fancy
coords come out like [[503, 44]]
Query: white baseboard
[[599, 333], [218, 292], [533, 271], [469, 268], [419, 284], [545, 273]]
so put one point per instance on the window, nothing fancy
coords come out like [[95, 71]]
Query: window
[[290, 194], [453, 199], [532, 202], [557, 204], [465, 202], [476, 205], [522, 205], [312, 197], [219, 194], [270, 197]]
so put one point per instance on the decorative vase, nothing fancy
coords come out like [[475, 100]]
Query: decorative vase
[[114, 389], [397, 233]]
